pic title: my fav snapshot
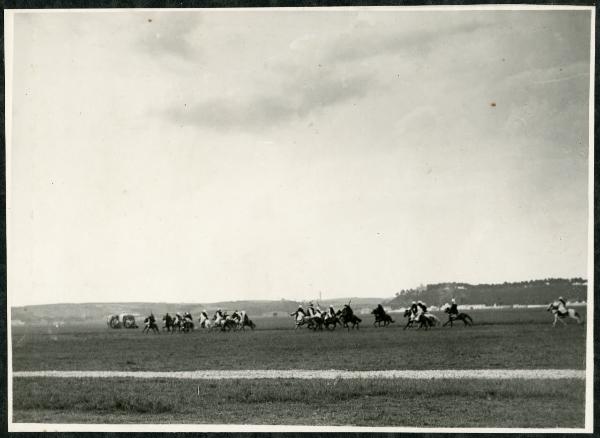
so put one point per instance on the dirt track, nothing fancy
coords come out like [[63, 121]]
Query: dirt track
[[316, 374]]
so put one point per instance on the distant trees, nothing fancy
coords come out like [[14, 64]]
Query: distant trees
[[523, 292]]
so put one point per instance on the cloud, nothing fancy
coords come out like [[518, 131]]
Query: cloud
[[354, 45], [294, 99]]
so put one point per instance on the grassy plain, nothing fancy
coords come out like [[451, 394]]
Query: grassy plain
[[518, 339], [466, 403], [500, 339]]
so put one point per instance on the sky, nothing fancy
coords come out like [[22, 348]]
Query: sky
[[266, 154]]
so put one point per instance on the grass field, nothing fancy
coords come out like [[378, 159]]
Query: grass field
[[518, 339], [465, 403]]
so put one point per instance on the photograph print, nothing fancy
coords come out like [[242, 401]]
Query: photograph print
[[300, 219]]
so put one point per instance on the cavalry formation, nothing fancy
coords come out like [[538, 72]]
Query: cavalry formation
[[316, 319], [417, 316], [184, 322]]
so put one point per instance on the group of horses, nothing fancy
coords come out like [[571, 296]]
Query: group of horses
[[316, 319], [184, 323]]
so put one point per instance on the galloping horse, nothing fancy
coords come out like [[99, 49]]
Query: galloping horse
[[204, 321], [347, 316], [150, 324], [425, 320], [301, 318], [461, 316], [381, 318], [331, 321], [187, 322], [168, 323], [312, 321], [555, 308], [223, 322], [245, 321]]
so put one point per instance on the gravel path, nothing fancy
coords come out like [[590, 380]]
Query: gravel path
[[315, 374]]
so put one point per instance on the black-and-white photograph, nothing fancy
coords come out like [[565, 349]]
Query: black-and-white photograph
[[300, 219]]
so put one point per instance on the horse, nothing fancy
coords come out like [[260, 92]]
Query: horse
[[559, 316], [347, 317], [301, 318], [223, 322], [381, 318], [168, 323], [204, 321], [461, 316], [150, 324], [411, 318], [425, 320], [187, 323], [245, 321], [331, 320]]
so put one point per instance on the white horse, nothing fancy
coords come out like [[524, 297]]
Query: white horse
[[301, 318], [223, 321], [560, 311], [204, 321]]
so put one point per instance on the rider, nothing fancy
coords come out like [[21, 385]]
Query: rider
[[203, 318], [453, 308], [414, 309], [300, 310], [562, 306], [311, 310], [421, 310], [379, 311], [330, 312]]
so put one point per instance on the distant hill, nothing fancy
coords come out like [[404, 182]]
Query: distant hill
[[524, 292], [97, 312]]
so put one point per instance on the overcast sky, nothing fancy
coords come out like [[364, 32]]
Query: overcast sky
[[215, 155]]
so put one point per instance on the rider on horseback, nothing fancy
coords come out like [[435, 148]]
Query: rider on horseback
[[421, 310], [379, 311], [330, 312], [414, 309], [300, 310], [562, 307], [453, 308]]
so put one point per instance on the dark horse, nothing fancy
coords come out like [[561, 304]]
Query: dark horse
[[246, 322], [381, 317], [347, 317], [150, 323], [331, 321], [457, 317], [169, 322]]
